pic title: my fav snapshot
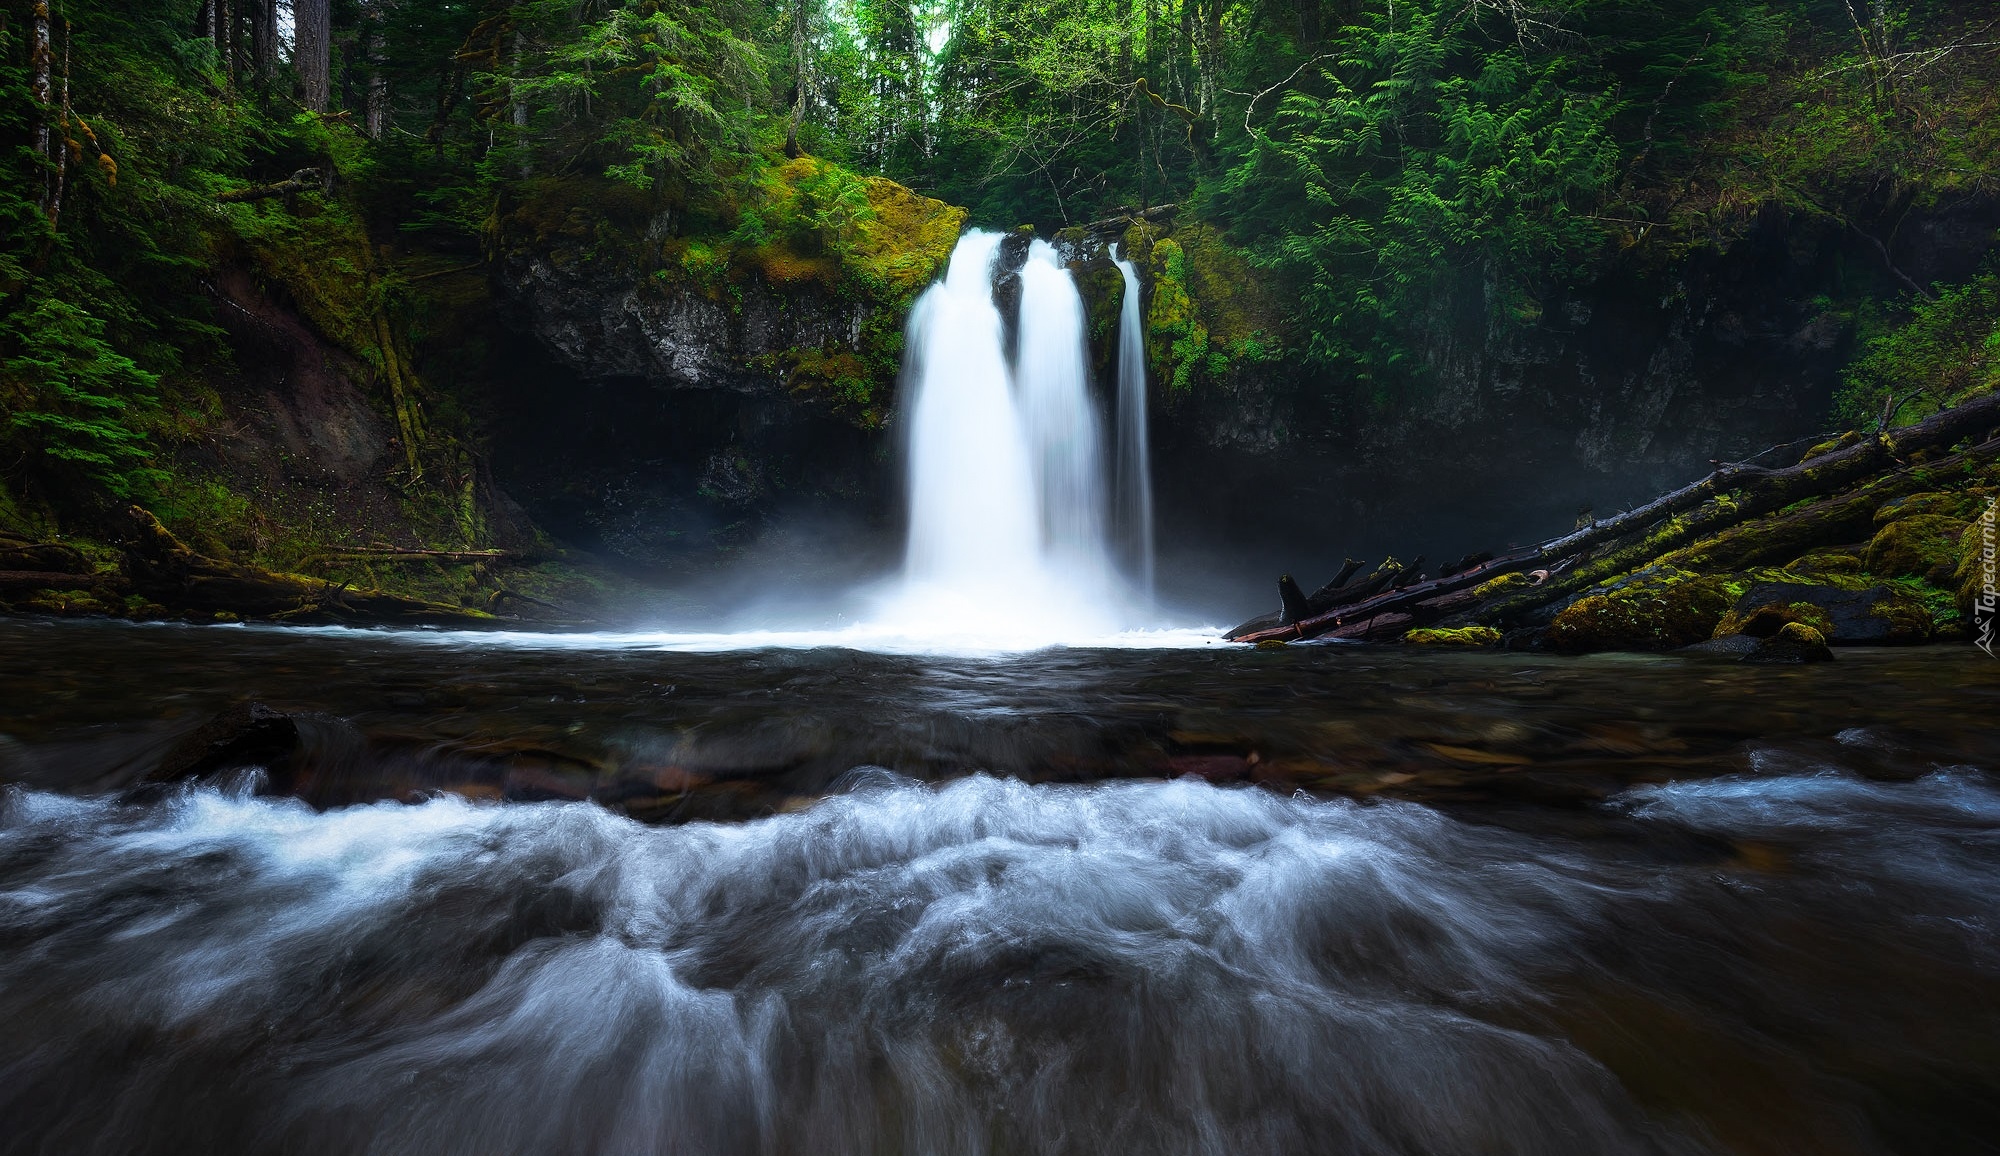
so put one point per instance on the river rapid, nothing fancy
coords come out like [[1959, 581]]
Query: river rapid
[[562, 896]]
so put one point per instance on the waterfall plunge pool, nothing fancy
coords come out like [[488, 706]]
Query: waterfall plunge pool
[[1314, 900]]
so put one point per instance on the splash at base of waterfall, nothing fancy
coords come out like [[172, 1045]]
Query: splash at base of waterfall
[[1010, 523]]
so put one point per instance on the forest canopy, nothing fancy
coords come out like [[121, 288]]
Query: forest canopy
[[1384, 162]]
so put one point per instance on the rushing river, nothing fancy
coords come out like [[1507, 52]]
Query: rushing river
[[1204, 900]]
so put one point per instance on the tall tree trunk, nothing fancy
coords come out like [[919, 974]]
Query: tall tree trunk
[[1211, 56], [1183, 53], [62, 145], [41, 63], [312, 48], [264, 39], [226, 42], [378, 81], [520, 112], [801, 73]]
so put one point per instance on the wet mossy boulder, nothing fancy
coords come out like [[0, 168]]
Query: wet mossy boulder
[[1453, 636], [1659, 608], [1879, 615], [798, 287], [1793, 643], [1839, 565], [1920, 546]]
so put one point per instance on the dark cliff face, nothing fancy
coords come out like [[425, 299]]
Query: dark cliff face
[[1622, 388], [670, 401], [684, 430], [604, 318]]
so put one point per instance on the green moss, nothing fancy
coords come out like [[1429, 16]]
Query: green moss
[[205, 512], [1454, 636], [1958, 504], [1660, 608], [1826, 447], [1920, 546], [1941, 603], [1800, 634], [812, 227], [1505, 582], [1827, 565], [1207, 312], [1765, 621], [1976, 562]]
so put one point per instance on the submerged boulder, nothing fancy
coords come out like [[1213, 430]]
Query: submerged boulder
[[1795, 642]]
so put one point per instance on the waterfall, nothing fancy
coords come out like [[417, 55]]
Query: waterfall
[[973, 520], [1132, 515], [1053, 387], [1010, 517]]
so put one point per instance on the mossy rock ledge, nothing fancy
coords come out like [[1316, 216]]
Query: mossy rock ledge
[[806, 296]]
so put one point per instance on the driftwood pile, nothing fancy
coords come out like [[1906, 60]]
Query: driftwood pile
[[1822, 500]]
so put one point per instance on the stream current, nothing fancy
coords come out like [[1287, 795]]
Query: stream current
[[1327, 899]]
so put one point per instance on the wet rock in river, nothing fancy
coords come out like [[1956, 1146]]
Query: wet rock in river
[[1795, 642], [1661, 608], [1729, 645], [288, 746], [248, 734], [1871, 615]]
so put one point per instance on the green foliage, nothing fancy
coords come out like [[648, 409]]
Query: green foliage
[[646, 91], [1947, 352], [77, 397], [1358, 181]]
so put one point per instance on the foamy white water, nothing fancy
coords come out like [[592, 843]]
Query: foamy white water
[[983, 968], [936, 630]]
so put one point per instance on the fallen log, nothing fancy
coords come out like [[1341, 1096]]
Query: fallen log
[[1757, 491], [302, 181], [1773, 491], [166, 570], [1119, 221], [1396, 600], [1835, 520], [1318, 602], [1324, 596], [46, 580], [409, 554], [1775, 488], [1291, 600]]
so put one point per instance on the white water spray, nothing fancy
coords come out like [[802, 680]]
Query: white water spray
[[1132, 513]]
